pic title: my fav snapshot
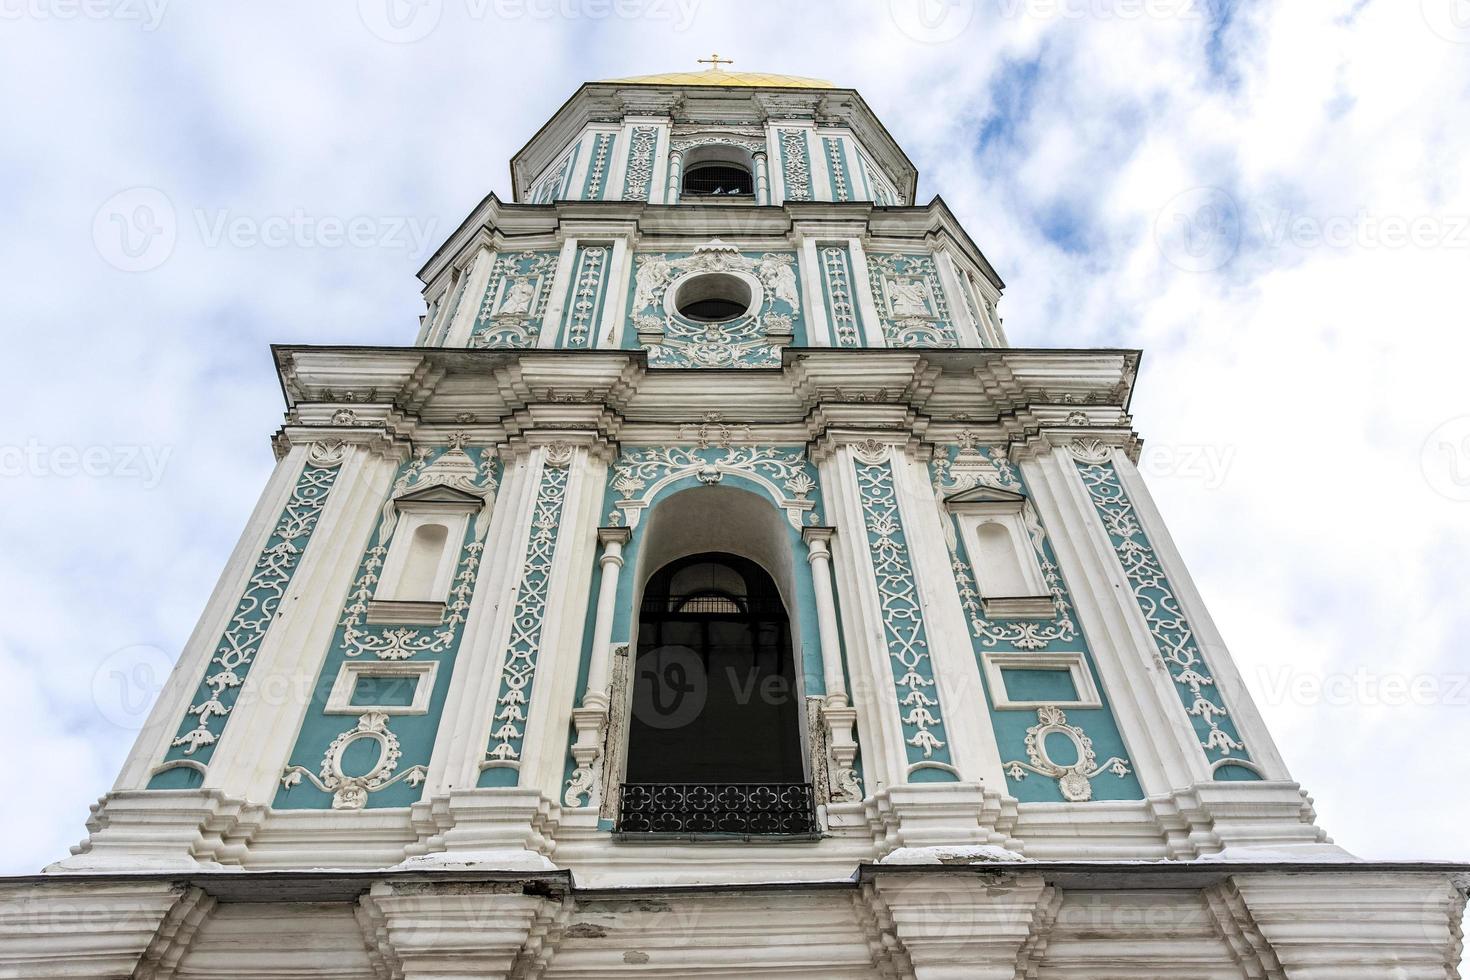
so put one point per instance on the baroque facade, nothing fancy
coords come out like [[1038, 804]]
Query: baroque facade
[[711, 590]]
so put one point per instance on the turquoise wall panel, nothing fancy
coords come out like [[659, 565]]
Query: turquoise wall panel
[[594, 186], [514, 303], [522, 655], [1055, 686], [904, 631], [832, 148], [405, 741], [962, 467], [839, 295], [796, 164], [588, 296], [753, 340], [910, 300], [642, 149]]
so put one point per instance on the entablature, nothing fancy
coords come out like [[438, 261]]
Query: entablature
[[1015, 396]]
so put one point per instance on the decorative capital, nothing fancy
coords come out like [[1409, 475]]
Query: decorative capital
[[1090, 450], [818, 538], [614, 535], [329, 453], [871, 451], [559, 454]]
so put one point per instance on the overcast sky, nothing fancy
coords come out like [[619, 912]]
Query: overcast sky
[[1271, 198]]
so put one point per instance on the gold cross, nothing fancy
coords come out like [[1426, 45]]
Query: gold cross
[[714, 61]]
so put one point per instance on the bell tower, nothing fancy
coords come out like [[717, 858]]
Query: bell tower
[[710, 581]]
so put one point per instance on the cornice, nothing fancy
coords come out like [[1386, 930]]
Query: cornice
[[1015, 396]]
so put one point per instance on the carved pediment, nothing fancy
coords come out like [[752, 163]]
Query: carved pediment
[[988, 497], [440, 495]]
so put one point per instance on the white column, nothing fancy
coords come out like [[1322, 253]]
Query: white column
[[862, 294], [613, 539], [813, 291], [819, 556], [762, 180], [477, 277], [563, 282], [676, 176]]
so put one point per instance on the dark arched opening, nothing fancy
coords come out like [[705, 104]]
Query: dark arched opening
[[714, 740], [718, 178]]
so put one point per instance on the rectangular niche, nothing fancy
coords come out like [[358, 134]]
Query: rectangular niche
[[1027, 681], [392, 688], [418, 571], [1004, 561]]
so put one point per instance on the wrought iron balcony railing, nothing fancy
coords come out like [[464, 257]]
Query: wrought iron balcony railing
[[751, 809]]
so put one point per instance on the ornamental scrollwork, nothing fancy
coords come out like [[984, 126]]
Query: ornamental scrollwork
[[516, 296], [751, 340], [640, 163], [453, 467], [902, 613], [796, 164], [1074, 780], [751, 146], [837, 288], [580, 786], [784, 473], [838, 166], [910, 300], [597, 167], [523, 649], [256, 610], [1176, 647], [589, 286], [350, 792], [964, 467]]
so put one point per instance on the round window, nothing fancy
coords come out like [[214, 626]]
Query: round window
[[713, 298]]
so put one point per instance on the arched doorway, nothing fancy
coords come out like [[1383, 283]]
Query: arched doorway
[[714, 737]]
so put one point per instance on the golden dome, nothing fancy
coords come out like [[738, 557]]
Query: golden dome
[[738, 79]]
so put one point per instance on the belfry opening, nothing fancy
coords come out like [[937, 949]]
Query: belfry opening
[[714, 730]]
